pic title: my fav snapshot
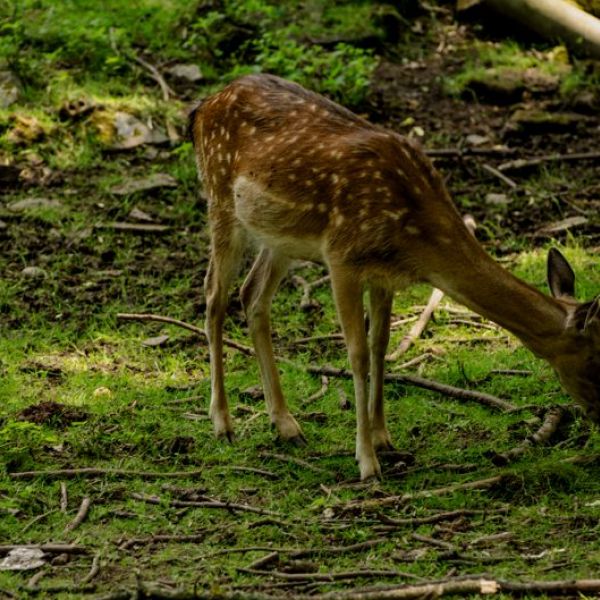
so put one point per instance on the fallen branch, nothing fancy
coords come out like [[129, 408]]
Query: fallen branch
[[64, 498], [434, 300], [358, 574], [80, 516], [134, 227], [443, 516], [197, 330], [161, 538], [167, 92], [541, 436], [469, 151], [375, 503], [428, 384], [520, 163], [496, 173], [296, 461], [319, 393], [95, 471], [229, 506], [307, 302], [94, 570]]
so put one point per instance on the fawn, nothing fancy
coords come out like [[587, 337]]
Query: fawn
[[303, 178]]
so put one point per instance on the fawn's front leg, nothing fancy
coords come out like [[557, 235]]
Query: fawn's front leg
[[349, 304], [256, 295]]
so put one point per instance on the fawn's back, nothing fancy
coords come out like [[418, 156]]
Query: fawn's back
[[315, 181]]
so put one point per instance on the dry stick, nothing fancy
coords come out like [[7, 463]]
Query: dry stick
[[434, 300], [319, 393], [417, 329], [296, 461], [134, 227], [374, 503], [167, 92], [496, 173], [264, 561], [49, 548], [338, 337], [64, 499], [94, 570], [433, 542], [443, 516], [428, 384], [323, 576], [460, 152], [37, 520], [95, 471], [160, 538], [148, 317], [520, 163], [229, 506], [80, 516], [307, 288], [541, 436], [35, 579]]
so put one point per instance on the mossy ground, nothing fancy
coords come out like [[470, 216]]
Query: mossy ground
[[143, 408]]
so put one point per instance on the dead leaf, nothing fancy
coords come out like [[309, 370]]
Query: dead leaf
[[153, 342], [564, 225]]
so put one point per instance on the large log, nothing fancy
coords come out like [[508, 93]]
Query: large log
[[553, 19]]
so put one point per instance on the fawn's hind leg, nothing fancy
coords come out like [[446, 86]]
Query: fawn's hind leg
[[226, 251], [256, 295]]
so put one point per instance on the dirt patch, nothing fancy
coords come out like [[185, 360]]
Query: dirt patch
[[53, 414]]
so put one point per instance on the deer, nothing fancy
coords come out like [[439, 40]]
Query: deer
[[297, 176]]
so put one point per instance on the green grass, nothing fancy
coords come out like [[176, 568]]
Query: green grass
[[60, 340]]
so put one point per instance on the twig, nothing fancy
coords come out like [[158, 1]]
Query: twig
[[541, 436], [64, 499], [520, 163], [319, 393], [417, 360], [375, 503], [433, 542], [35, 579], [468, 151], [337, 337], [80, 516], [360, 573], [37, 519], [263, 561], [94, 471], [428, 384], [443, 516], [94, 570], [229, 506], [417, 329], [496, 173], [167, 92], [296, 461], [254, 470], [307, 287], [434, 300], [148, 317], [134, 227], [161, 538]]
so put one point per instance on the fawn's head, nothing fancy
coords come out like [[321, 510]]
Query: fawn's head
[[578, 362]]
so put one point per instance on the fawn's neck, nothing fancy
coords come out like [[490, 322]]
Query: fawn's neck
[[473, 278]]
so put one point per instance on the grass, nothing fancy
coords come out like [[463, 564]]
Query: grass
[[123, 405]]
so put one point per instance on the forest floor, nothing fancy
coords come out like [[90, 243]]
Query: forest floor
[[109, 466]]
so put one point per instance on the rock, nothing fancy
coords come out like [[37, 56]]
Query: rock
[[186, 72], [23, 559], [3, 225], [475, 140], [137, 214], [34, 272], [533, 120], [26, 130], [504, 85], [122, 131], [10, 88], [32, 204], [497, 199], [76, 109], [144, 184]]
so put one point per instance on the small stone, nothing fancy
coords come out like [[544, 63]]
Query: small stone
[[103, 392], [475, 140], [33, 203], [10, 88], [186, 72], [23, 559], [33, 272], [497, 199]]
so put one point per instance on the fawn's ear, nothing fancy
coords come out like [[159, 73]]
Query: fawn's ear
[[592, 321], [561, 279]]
